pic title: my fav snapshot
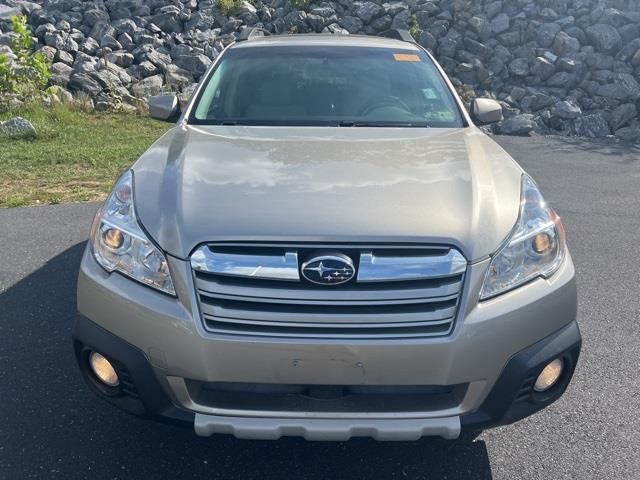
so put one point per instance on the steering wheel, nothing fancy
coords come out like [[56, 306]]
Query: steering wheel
[[389, 101]]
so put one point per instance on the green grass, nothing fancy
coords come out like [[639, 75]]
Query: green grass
[[76, 155]]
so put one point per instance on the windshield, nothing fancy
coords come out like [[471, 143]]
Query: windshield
[[326, 86]]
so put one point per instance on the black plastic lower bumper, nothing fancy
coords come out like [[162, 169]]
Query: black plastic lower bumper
[[139, 391], [511, 399]]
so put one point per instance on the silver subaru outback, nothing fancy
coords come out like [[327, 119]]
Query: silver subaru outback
[[325, 245]]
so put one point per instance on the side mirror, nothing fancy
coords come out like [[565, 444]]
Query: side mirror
[[485, 111], [164, 107]]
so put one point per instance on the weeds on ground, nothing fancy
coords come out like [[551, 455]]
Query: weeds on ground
[[76, 156]]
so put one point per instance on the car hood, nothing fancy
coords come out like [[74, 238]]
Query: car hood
[[324, 184]]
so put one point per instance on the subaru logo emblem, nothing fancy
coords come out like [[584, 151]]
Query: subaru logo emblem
[[330, 269]]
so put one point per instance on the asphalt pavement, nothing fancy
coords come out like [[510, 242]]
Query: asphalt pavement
[[52, 426]]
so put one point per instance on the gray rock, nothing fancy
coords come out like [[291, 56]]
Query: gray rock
[[101, 29], [563, 80], [60, 41], [89, 46], [546, 33], [149, 86], [316, 22], [565, 110], [351, 24], [18, 127], [472, 46], [481, 27], [563, 44], [108, 41], [197, 65], [628, 134], [64, 57], [613, 17], [500, 23], [159, 59], [593, 126], [121, 59], [48, 52], [7, 11], [628, 51], [60, 74], [381, 24], [428, 41], [168, 22], [324, 11], [519, 67], [539, 101], [629, 84], [518, 125], [95, 15], [369, 11], [542, 68], [126, 25], [146, 69], [81, 82], [401, 20], [177, 78], [604, 37], [622, 115], [569, 65]]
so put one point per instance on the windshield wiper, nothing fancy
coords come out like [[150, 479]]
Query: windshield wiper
[[383, 124]]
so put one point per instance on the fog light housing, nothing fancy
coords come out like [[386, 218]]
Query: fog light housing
[[103, 370], [549, 375]]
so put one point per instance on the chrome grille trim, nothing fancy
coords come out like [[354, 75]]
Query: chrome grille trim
[[274, 267], [387, 305], [391, 269]]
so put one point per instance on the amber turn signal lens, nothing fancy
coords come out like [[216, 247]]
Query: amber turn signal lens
[[113, 238]]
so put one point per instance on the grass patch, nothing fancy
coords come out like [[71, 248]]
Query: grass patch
[[76, 156]]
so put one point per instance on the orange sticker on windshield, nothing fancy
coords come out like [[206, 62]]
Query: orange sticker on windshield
[[405, 57]]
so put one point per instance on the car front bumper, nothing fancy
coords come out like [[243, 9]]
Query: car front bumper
[[495, 350]]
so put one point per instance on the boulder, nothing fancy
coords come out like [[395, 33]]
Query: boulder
[[18, 127], [518, 125], [196, 64], [604, 37], [629, 134], [622, 115], [369, 11], [565, 110], [593, 126], [82, 82]]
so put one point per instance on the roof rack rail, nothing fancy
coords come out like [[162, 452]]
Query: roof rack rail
[[398, 34], [249, 33]]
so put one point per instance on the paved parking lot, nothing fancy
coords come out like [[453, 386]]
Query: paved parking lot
[[51, 426]]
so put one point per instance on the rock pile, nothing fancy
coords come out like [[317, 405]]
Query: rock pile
[[558, 66]]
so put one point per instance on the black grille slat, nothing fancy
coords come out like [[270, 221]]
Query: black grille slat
[[326, 398], [269, 330], [287, 290], [282, 308]]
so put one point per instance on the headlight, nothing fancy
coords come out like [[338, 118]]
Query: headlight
[[119, 244], [535, 248]]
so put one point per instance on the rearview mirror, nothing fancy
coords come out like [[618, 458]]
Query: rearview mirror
[[164, 107], [485, 111]]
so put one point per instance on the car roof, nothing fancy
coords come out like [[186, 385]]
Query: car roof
[[325, 39]]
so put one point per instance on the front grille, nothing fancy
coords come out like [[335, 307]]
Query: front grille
[[405, 306], [325, 398]]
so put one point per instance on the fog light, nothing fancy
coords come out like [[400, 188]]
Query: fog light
[[549, 376], [103, 370]]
